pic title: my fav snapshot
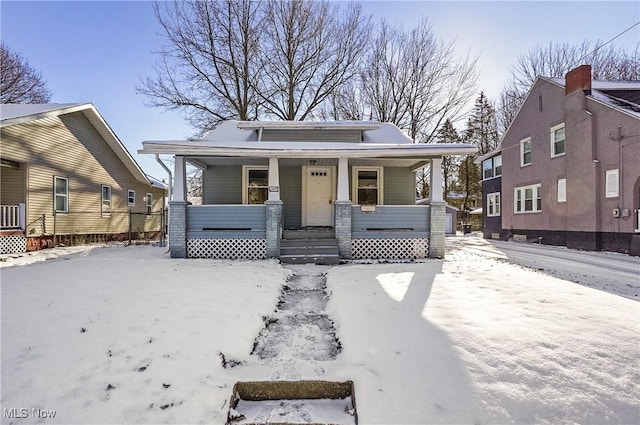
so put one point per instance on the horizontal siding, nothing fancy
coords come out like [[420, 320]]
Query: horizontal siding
[[389, 235], [291, 196], [399, 186], [12, 185], [225, 234], [222, 185], [229, 217], [390, 218], [274, 135], [69, 146]]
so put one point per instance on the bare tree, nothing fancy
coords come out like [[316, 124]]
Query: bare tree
[[19, 81], [309, 50], [608, 62], [208, 65], [414, 80]]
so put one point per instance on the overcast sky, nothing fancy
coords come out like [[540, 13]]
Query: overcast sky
[[98, 51]]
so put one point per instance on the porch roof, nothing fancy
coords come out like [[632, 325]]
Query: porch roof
[[305, 149]]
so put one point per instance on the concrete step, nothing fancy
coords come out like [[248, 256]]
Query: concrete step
[[309, 233], [309, 243], [308, 250], [320, 259]]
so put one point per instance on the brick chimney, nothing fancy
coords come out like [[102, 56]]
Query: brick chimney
[[578, 79]]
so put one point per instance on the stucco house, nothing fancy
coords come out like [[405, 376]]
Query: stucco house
[[567, 171], [65, 177], [306, 192]]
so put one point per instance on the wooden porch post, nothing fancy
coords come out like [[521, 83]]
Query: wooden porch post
[[274, 180], [436, 181], [343, 180], [179, 180]]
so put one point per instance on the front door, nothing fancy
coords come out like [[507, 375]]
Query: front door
[[318, 186]]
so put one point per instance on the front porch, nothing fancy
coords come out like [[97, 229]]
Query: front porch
[[291, 196]]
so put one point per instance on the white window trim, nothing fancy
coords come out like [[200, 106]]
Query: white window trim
[[522, 152], [495, 173], [148, 206], [491, 169], [131, 192], [245, 179], [65, 195], [562, 190], [103, 200], [496, 197], [535, 189], [553, 142], [354, 183], [609, 176]]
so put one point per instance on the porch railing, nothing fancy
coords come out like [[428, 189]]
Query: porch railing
[[226, 221], [390, 221], [11, 217]]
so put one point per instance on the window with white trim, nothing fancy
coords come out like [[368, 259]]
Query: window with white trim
[[106, 200], [131, 198], [367, 186], [557, 140], [527, 199], [148, 203], [61, 194], [255, 184], [562, 190], [525, 152], [492, 167], [612, 183], [493, 204]]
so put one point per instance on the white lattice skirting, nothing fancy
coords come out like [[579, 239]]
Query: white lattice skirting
[[13, 244], [227, 249], [390, 249]]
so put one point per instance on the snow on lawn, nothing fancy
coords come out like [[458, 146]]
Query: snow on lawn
[[469, 339]]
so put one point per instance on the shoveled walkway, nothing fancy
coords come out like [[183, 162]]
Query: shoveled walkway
[[300, 328]]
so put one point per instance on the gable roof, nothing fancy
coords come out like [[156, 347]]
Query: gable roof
[[14, 114]]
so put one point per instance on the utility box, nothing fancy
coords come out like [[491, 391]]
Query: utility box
[[293, 402]]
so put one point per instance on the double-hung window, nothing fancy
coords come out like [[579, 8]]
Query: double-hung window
[[255, 184], [61, 194], [527, 199], [525, 152], [493, 204], [106, 200], [131, 198], [367, 186], [148, 203], [612, 183], [492, 167], [557, 140]]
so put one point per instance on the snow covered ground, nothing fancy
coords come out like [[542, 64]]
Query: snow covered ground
[[127, 335]]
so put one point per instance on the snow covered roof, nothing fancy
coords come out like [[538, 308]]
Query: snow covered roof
[[14, 114], [242, 139]]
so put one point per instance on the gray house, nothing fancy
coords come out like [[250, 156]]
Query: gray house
[[567, 171], [307, 192]]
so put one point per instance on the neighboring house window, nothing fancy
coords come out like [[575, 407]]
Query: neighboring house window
[[562, 190], [493, 204], [525, 152], [527, 199], [487, 168], [61, 194], [557, 140], [367, 185], [497, 166], [106, 200], [131, 198], [255, 184], [148, 202], [492, 167], [612, 184]]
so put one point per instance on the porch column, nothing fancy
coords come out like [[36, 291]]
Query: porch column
[[343, 210], [437, 210], [274, 211], [178, 211], [274, 180]]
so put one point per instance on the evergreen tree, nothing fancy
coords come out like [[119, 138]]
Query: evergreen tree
[[450, 164]]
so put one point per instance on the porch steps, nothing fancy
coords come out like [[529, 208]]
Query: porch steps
[[305, 251]]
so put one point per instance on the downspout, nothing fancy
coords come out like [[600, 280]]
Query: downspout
[[170, 188]]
